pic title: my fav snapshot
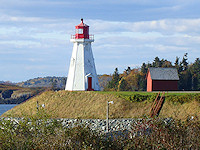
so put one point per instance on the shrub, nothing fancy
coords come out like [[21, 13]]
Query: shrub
[[146, 134]]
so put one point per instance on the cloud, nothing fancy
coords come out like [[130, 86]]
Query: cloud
[[43, 43], [168, 26], [164, 26]]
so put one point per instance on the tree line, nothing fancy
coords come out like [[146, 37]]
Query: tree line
[[135, 79]]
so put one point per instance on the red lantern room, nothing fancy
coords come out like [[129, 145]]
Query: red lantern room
[[82, 31]]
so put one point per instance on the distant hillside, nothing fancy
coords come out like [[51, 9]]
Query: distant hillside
[[85, 104], [6, 82], [12, 94], [58, 82], [103, 80]]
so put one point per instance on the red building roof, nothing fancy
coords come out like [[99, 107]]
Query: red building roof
[[164, 73]]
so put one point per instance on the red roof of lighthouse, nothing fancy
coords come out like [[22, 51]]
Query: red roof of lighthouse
[[82, 24]]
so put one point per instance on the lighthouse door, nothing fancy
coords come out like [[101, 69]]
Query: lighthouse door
[[90, 84]]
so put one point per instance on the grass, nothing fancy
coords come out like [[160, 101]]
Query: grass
[[85, 105]]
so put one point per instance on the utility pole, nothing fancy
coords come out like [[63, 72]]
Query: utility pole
[[107, 118]]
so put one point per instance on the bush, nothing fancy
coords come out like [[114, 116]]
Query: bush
[[185, 98], [165, 134], [146, 134], [138, 97]]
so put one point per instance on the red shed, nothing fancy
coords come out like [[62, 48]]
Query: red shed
[[162, 79]]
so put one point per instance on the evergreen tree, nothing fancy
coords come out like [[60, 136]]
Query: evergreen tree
[[157, 62], [113, 84], [195, 70], [185, 81], [177, 65], [144, 68], [184, 62]]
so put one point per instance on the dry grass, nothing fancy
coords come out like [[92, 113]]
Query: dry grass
[[180, 111], [85, 105]]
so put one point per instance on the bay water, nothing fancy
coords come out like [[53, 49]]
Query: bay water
[[6, 107]]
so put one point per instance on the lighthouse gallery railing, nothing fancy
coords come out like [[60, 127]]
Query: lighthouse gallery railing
[[91, 37]]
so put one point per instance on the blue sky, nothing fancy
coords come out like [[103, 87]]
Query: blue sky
[[35, 34]]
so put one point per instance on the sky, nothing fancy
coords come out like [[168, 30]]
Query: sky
[[35, 34]]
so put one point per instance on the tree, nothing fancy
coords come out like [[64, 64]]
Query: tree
[[144, 68], [142, 82], [177, 65], [157, 62], [184, 62], [54, 84], [185, 75], [123, 85], [195, 70], [185, 80], [128, 70], [63, 82], [113, 84], [165, 63]]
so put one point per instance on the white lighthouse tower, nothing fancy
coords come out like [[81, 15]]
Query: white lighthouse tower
[[82, 74]]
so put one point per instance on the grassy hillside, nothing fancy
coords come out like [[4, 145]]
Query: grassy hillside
[[64, 104]]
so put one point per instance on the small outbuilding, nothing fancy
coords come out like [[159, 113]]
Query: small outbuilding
[[162, 79]]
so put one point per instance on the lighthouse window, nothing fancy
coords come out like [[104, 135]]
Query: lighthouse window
[[79, 31]]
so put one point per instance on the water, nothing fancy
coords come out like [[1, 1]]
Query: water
[[6, 107]]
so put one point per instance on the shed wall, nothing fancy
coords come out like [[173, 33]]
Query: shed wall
[[149, 82], [165, 85]]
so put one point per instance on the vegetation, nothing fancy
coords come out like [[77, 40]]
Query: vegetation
[[103, 80], [135, 79], [38, 133], [51, 82], [58, 83], [85, 105], [12, 94]]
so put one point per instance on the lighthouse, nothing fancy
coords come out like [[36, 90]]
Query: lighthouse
[[82, 74]]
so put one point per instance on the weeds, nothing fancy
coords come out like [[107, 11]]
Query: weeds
[[39, 132]]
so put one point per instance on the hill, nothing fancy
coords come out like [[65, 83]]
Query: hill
[[12, 94], [64, 104], [58, 82]]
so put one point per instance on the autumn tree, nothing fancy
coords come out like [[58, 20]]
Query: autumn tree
[[123, 85]]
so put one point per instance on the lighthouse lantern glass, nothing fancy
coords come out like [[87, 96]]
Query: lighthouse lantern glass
[[80, 31]]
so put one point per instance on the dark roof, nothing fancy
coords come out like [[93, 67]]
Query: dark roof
[[164, 73], [82, 24]]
